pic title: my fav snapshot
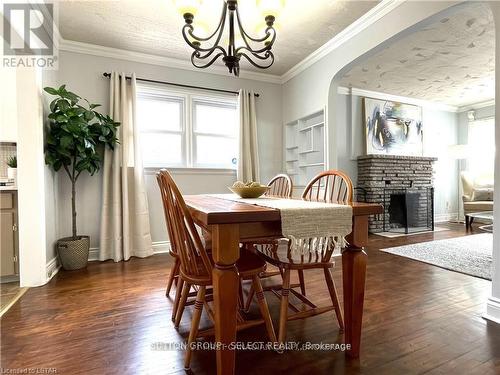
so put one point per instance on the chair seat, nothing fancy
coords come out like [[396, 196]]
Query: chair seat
[[248, 265], [476, 206], [280, 255]]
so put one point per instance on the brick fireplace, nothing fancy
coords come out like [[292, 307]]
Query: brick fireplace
[[380, 175]]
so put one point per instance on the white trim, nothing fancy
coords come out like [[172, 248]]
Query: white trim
[[403, 99], [486, 103], [52, 268], [93, 254], [145, 58], [492, 312], [443, 218], [367, 19], [159, 247]]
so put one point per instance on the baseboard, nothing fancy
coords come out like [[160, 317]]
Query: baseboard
[[159, 247], [442, 218], [492, 310], [52, 268]]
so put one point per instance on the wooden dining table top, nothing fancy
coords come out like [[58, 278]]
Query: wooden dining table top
[[211, 210]]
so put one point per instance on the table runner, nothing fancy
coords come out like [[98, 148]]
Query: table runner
[[307, 224]]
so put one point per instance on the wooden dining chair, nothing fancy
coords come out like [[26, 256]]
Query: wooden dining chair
[[280, 186], [330, 187], [196, 265]]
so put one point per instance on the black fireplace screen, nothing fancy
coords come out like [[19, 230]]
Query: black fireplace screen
[[408, 210]]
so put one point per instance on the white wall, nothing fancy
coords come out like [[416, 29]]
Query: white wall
[[32, 188], [49, 78], [493, 305], [83, 74], [440, 131]]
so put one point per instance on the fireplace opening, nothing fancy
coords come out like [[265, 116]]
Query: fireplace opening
[[409, 210]]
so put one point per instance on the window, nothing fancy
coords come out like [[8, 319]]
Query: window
[[187, 130], [481, 140]]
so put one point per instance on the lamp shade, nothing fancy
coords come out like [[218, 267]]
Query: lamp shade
[[270, 7], [187, 6]]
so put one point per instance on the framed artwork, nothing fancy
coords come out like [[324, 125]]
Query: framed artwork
[[392, 128]]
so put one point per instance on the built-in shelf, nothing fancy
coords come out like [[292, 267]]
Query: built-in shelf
[[311, 165], [305, 150], [311, 127]]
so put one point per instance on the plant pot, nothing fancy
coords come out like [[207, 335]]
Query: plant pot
[[73, 253], [12, 173]]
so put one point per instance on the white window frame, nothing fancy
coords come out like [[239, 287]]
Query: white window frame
[[216, 102], [187, 120]]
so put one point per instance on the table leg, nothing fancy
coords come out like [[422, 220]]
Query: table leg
[[225, 252], [353, 276], [359, 234]]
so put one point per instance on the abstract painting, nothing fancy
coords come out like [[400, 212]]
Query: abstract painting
[[392, 128]]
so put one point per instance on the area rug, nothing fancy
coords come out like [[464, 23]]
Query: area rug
[[469, 254]]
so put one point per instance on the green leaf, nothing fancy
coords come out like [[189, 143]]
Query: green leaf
[[66, 141], [61, 118], [63, 104], [51, 90]]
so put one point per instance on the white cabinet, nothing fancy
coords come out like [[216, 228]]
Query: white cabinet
[[305, 148]]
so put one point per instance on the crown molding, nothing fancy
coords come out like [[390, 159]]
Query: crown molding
[[483, 104], [402, 99], [145, 58], [369, 18]]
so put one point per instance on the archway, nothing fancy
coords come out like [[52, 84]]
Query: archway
[[337, 146]]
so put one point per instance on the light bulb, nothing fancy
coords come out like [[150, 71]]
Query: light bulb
[[270, 7], [187, 6]]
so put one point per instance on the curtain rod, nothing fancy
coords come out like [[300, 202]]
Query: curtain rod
[[108, 75]]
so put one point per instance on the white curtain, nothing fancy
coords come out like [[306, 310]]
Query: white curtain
[[248, 162], [125, 230]]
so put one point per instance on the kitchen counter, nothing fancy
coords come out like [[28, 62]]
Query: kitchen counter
[[8, 188]]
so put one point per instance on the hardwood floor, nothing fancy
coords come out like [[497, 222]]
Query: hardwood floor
[[106, 320], [9, 294]]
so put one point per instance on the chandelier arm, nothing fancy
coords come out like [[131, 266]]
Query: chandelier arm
[[244, 34], [261, 50], [212, 60], [267, 46], [241, 50], [197, 47], [201, 56], [221, 25], [270, 54]]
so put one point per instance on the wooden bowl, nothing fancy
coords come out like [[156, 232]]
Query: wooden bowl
[[249, 192]]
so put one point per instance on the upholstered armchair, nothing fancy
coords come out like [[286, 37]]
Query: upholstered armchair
[[476, 196]]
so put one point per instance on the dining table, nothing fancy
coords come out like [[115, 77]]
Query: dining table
[[231, 222]]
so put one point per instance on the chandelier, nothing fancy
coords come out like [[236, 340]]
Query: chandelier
[[207, 50]]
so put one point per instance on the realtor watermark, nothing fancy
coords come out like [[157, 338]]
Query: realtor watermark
[[251, 346], [29, 370], [28, 36]]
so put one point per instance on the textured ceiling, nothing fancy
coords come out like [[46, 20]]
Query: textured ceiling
[[154, 26], [451, 61]]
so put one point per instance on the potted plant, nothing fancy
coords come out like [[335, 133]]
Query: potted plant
[[74, 135], [12, 168]]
